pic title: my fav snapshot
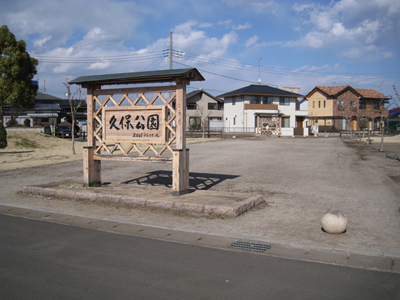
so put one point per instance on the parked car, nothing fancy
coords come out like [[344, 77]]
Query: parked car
[[64, 131]]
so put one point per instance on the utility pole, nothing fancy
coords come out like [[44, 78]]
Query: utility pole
[[170, 50]]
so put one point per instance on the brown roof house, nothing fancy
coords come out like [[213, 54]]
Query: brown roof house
[[335, 108]]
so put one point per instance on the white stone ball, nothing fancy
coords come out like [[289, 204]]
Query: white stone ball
[[334, 222]]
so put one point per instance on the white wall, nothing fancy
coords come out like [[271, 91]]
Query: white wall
[[246, 118], [233, 111]]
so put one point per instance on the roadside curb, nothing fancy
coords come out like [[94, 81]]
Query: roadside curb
[[387, 262]]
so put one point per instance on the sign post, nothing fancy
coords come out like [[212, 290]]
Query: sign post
[[128, 124]]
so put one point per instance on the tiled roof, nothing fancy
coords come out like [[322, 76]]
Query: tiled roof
[[365, 93], [43, 96], [261, 90], [332, 90], [191, 94]]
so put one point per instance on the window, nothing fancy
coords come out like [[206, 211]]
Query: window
[[284, 101], [376, 105], [376, 124], [212, 106], [362, 105], [342, 124], [353, 103], [285, 122], [340, 104], [313, 104], [234, 120], [255, 100], [319, 104], [233, 100], [191, 106], [270, 100], [324, 103]]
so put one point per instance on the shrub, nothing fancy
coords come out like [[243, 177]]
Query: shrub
[[27, 123], [364, 123], [3, 136], [12, 122]]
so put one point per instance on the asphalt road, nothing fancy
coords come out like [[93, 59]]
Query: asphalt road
[[42, 260]]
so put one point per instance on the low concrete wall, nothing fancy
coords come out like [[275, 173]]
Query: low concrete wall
[[33, 129], [287, 131]]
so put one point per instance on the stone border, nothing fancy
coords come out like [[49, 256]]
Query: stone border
[[221, 211]]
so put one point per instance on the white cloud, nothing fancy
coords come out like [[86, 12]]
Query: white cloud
[[205, 25], [40, 42], [226, 23], [241, 27], [255, 5], [349, 24], [369, 53], [99, 65], [252, 41], [61, 21]]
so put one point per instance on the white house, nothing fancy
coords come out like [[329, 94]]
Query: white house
[[265, 110]]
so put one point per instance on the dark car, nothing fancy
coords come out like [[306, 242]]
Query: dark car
[[64, 131]]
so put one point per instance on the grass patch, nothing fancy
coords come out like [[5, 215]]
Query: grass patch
[[26, 143]]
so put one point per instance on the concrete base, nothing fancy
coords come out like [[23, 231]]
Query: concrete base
[[194, 202]]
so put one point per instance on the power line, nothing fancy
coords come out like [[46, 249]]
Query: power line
[[216, 73]]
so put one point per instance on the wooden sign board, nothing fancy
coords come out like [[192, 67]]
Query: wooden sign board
[[134, 124]]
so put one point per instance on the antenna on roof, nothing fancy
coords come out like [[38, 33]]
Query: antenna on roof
[[259, 72]]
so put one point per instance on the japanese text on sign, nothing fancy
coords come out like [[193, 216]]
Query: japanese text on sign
[[144, 125]]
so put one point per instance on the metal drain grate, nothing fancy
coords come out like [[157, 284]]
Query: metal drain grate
[[251, 246]]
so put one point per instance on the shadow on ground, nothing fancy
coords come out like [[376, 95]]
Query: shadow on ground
[[197, 181]]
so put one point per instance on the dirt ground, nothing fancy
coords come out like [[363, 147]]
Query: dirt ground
[[28, 149], [300, 179]]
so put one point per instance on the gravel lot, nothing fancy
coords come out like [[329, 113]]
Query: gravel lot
[[301, 179]]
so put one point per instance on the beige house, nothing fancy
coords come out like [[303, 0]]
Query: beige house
[[203, 110], [335, 108]]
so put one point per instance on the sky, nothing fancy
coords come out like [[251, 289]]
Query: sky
[[233, 43]]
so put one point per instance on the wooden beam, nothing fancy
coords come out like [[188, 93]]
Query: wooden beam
[[180, 118], [136, 90]]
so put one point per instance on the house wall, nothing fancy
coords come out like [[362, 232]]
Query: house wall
[[244, 113], [233, 113], [316, 108], [201, 100]]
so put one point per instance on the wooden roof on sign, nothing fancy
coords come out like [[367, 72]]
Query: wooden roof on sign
[[170, 75]]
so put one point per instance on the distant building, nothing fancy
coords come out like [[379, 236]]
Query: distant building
[[335, 108], [47, 112], [203, 106], [264, 110]]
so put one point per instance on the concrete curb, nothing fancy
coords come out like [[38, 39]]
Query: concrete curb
[[220, 211], [385, 262]]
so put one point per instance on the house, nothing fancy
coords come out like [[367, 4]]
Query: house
[[335, 108], [264, 110], [47, 112], [44, 112], [203, 109]]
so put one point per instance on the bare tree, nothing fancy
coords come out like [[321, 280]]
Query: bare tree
[[203, 116], [75, 102], [382, 123], [397, 94], [347, 112]]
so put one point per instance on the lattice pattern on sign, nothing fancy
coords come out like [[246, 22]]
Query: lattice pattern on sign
[[134, 149], [270, 125]]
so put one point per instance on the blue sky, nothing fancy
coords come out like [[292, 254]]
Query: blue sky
[[232, 42]]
